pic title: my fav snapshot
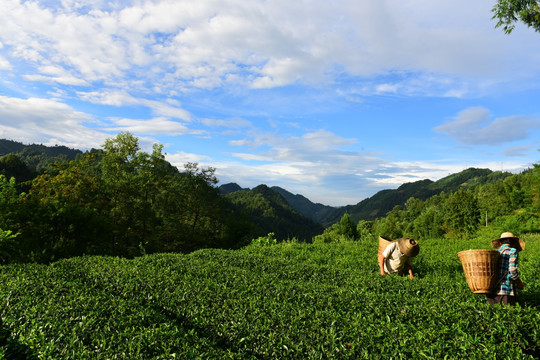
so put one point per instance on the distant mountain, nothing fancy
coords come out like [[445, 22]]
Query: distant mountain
[[36, 156], [230, 188], [315, 211], [10, 146], [385, 200], [271, 212]]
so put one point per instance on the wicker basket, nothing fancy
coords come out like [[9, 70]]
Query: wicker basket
[[481, 268], [383, 243]]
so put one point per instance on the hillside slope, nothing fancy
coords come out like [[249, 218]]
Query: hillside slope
[[315, 211], [385, 200], [36, 156], [271, 213]]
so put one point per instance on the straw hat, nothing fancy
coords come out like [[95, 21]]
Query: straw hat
[[519, 244], [408, 247]]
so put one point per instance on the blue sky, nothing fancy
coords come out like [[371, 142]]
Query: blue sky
[[334, 100]]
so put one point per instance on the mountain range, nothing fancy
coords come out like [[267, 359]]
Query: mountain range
[[383, 201]]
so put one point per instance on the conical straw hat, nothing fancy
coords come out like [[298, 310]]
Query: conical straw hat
[[518, 243], [409, 246]]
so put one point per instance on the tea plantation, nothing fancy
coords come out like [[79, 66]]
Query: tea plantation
[[286, 301]]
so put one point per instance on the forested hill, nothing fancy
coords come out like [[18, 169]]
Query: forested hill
[[271, 212], [314, 211], [385, 200], [37, 156], [25, 161]]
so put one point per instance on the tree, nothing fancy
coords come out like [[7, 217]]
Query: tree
[[347, 227], [9, 196], [507, 12], [134, 181], [12, 166], [70, 210], [461, 214]]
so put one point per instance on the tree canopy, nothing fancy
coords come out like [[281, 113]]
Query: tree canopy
[[508, 12]]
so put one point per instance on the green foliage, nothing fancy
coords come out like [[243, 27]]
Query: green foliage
[[12, 166], [8, 246], [9, 198], [118, 201], [267, 240], [270, 212], [385, 201], [508, 12], [344, 231], [37, 157], [500, 202], [288, 301], [364, 229], [461, 214]]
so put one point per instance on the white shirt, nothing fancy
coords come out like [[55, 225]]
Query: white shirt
[[394, 259]]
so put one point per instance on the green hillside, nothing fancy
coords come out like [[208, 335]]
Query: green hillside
[[271, 213], [287, 301], [382, 202], [37, 157], [315, 211]]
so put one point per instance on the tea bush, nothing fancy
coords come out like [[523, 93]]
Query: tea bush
[[286, 301]]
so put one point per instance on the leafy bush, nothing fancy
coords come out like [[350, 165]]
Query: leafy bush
[[8, 246], [267, 240]]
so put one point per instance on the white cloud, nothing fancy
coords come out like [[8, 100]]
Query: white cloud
[[154, 126], [521, 150], [207, 43], [179, 159], [234, 123], [118, 98], [5, 64], [473, 126], [48, 122]]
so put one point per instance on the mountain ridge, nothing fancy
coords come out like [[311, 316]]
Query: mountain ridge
[[385, 200]]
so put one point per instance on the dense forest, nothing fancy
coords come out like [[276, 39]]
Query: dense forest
[[463, 205], [57, 202]]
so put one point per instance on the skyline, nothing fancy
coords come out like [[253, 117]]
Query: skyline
[[333, 101]]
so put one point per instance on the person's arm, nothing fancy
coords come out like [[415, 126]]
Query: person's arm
[[409, 269], [513, 270], [382, 259]]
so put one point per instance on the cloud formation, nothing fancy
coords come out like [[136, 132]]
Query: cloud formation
[[474, 126], [204, 44], [48, 122]]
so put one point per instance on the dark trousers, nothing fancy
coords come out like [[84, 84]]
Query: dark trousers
[[493, 299]]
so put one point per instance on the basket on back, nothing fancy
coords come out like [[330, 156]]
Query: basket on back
[[481, 268], [383, 243]]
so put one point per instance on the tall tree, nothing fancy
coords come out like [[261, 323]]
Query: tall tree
[[461, 214], [508, 12], [132, 179], [70, 210]]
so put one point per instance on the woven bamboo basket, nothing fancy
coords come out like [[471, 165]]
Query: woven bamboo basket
[[383, 243], [481, 268]]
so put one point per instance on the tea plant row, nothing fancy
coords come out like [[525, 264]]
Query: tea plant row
[[296, 301]]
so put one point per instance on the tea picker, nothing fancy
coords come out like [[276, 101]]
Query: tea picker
[[504, 292], [396, 256], [495, 273]]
